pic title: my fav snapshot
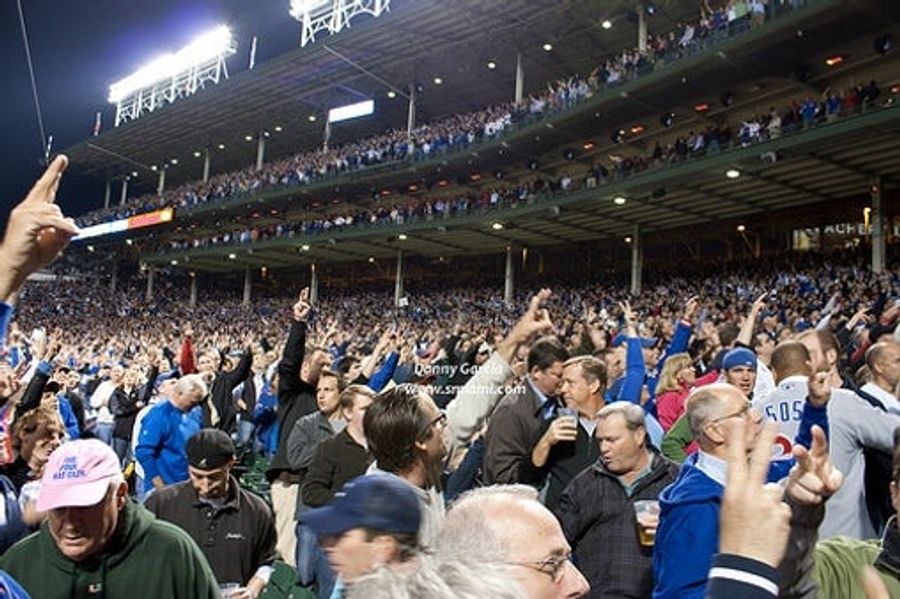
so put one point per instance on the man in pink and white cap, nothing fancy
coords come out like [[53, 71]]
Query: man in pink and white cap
[[97, 541]]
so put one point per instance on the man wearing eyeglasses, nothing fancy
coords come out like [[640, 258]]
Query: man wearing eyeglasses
[[405, 432], [687, 537], [507, 525]]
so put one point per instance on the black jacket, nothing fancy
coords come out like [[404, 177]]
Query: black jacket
[[337, 460], [222, 389], [598, 520], [296, 398]]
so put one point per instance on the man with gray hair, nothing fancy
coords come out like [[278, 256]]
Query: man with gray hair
[[165, 431], [506, 524], [597, 509]]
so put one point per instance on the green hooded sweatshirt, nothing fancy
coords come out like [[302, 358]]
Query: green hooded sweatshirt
[[146, 559]]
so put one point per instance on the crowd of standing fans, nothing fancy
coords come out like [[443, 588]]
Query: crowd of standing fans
[[582, 442]]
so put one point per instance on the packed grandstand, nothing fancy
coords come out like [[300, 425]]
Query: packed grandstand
[[535, 323]]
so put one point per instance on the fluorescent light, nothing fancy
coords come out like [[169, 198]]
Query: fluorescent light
[[492, 65], [628, 240], [351, 111], [741, 228], [278, 129], [174, 161], [197, 154], [174, 263], [311, 118], [402, 237], [221, 146], [232, 256], [607, 24], [391, 94], [619, 201], [547, 47], [204, 48], [134, 174], [305, 247], [248, 138], [497, 226], [732, 173], [438, 81], [372, 259]]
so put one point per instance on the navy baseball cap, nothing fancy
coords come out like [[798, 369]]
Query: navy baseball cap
[[739, 356], [381, 502]]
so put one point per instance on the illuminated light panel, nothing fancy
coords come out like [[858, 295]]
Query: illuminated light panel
[[204, 48], [148, 219], [351, 111]]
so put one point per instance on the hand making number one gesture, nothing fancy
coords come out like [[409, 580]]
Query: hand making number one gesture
[[36, 233], [302, 307]]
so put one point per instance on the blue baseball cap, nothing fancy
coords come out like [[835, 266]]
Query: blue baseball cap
[[739, 356], [382, 502]]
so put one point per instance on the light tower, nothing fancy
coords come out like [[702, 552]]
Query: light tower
[[317, 16]]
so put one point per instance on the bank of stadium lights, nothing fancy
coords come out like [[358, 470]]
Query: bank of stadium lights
[[173, 75], [331, 16], [732, 173]]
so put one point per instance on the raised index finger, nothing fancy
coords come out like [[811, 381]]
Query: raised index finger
[[737, 457], [44, 189], [762, 454]]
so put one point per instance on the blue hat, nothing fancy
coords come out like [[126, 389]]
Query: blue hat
[[739, 356], [382, 502], [645, 341]]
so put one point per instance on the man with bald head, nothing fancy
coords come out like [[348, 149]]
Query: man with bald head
[[883, 360], [507, 525], [854, 426]]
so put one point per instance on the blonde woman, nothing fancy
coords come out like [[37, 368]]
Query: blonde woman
[[676, 381]]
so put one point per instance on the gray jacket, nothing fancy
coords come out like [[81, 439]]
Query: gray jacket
[[308, 432]]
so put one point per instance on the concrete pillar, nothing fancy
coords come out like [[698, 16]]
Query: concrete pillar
[[260, 151], [248, 287], [161, 186], [637, 260], [327, 135], [193, 300], [206, 165], [124, 195], [107, 194], [148, 296], [877, 225], [520, 78], [398, 280], [642, 28], [508, 281], [411, 111], [313, 284]]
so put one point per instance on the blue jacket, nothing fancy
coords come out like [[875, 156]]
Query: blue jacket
[[68, 417], [161, 444], [688, 535]]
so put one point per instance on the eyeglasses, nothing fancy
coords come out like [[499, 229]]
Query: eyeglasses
[[553, 566], [740, 413], [439, 420]]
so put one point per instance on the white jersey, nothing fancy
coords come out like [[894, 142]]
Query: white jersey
[[784, 406]]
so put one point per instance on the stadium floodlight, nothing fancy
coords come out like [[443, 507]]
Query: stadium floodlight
[[332, 16], [351, 111], [173, 75]]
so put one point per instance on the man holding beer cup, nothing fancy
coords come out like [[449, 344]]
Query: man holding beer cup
[[607, 511]]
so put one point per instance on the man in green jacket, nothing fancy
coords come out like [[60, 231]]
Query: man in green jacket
[[97, 542]]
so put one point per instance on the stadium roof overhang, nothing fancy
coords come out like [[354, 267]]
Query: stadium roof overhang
[[412, 43]]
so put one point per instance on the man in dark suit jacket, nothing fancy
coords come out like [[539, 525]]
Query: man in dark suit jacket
[[520, 418]]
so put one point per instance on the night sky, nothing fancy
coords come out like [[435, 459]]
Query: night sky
[[80, 47]]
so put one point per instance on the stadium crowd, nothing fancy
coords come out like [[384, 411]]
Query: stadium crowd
[[578, 443], [798, 115], [459, 132]]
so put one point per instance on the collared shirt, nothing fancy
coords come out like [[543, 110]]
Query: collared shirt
[[237, 535], [887, 399], [712, 467], [544, 404], [629, 487]]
